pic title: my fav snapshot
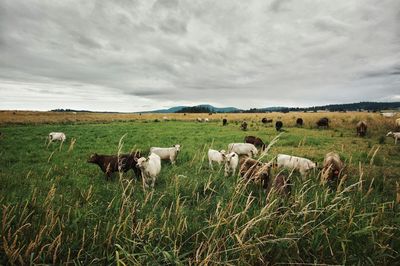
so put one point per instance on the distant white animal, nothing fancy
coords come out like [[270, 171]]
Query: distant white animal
[[398, 123], [395, 135], [150, 168], [166, 118], [300, 164], [57, 136], [231, 163], [243, 149], [206, 120], [388, 114], [167, 153], [216, 156], [199, 119]]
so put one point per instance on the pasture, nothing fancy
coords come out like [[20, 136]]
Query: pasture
[[59, 209]]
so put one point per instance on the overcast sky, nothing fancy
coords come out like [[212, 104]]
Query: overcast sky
[[134, 55]]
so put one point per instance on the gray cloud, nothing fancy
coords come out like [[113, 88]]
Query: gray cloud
[[127, 55]]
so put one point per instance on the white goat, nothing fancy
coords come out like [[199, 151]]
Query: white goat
[[167, 153], [303, 165], [388, 114], [395, 135], [150, 168], [56, 136], [243, 149], [231, 163], [216, 156]]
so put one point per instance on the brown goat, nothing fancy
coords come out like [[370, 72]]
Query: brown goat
[[255, 170], [282, 185], [361, 128], [255, 141], [332, 167], [114, 163]]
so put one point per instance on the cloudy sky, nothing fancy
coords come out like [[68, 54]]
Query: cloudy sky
[[134, 55]]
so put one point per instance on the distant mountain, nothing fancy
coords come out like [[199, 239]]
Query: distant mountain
[[203, 106]]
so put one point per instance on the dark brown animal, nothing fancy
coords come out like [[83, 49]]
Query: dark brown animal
[[255, 170], [282, 185], [112, 163], [323, 122], [361, 128], [278, 125], [255, 141], [243, 126], [266, 120], [224, 122], [332, 167], [299, 122]]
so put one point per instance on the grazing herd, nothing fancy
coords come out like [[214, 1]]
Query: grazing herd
[[237, 159]]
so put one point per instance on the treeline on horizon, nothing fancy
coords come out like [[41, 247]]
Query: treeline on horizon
[[361, 106]]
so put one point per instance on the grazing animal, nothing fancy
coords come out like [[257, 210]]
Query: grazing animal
[[114, 163], [278, 125], [57, 136], [255, 141], [224, 122], [395, 135], [206, 120], [299, 122], [247, 149], [216, 156], [199, 119], [167, 153], [398, 123], [332, 166], [255, 170], [150, 167], [266, 120], [300, 164], [231, 163], [282, 185], [323, 122], [388, 114], [243, 126], [361, 128]]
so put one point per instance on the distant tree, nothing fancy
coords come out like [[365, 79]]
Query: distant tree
[[194, 109]]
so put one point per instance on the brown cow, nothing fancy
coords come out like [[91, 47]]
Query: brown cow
[[255, 170], [361, 128], [114, 163], [255, 141]]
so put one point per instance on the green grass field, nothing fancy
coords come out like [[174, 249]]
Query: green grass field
[[59, 209]]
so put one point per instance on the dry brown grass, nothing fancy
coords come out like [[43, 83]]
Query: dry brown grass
[[374, 120]]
